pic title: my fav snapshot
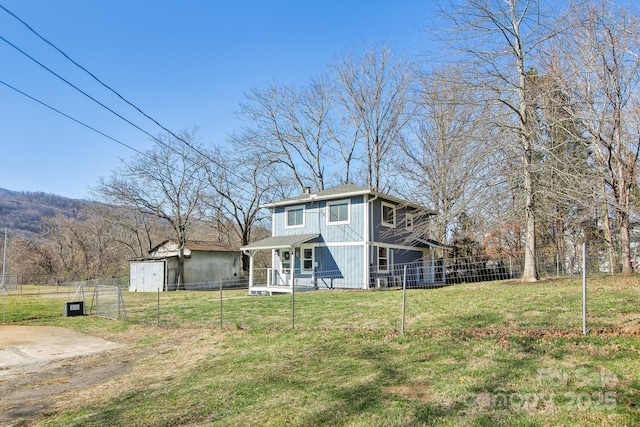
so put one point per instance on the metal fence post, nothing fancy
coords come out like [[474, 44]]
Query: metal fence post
[[584, 288], [293, 299], [404, 296], [220, 304], [4, 303]]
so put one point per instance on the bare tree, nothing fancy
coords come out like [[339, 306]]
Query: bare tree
[[291, 129], [566, 173], [131, 231], [448, 157], [374, 91], [239, 184], [502, 39], [598, 65], [163, 182]]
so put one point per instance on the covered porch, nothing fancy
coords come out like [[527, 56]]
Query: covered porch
[[291, 269]]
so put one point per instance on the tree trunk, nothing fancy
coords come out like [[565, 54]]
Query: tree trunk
[[530, 272]]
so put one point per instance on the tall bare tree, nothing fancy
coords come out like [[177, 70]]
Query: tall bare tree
[[374, 98], [165, 183], [566, 173], [502, 39], [238, 185], [597, 63], [448, 157], [291, 129]]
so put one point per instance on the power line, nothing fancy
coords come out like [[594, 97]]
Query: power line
[[154, 138], [157, 140], [74, 86], [90, 73], [72, 118]]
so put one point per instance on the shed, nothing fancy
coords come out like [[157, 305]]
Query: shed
[[206, 265]]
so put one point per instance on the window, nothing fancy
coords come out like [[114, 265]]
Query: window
[[338, 212], [388, 215], [295, 217], [383, 258], [307, 259], [409, 221]]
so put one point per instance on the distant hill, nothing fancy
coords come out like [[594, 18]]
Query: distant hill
[[21, 211]]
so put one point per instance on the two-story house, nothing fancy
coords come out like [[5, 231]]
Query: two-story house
[[346, 237]]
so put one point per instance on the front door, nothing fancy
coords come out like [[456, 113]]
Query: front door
[[285, 272]]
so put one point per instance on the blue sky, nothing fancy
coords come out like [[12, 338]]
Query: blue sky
[[185, 63]]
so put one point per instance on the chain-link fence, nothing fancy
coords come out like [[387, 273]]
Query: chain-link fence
[[474, 291]]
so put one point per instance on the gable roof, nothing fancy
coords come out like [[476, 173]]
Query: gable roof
[[341, 191], [198, 245]]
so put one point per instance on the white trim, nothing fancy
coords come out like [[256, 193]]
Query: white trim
[[401, 247], [286, 216], [384, 204], [409, 220], [339, 244], [388, 257], [348, 194], [388, 245], [315, 197], [338, 202], [366, 250], [302, 258]]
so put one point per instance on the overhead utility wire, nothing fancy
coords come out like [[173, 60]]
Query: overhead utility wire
[[89, 72], [177, 137], [75, 87], [113, 91], [72, 118]]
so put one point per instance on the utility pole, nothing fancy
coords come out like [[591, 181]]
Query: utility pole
[[4, 259], [4, 272]]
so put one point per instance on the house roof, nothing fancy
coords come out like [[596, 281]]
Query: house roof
[[429, 243], [341, 191], [199, 245], [280, 242]]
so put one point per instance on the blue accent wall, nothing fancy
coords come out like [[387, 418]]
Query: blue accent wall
[[315, 221], [340, 266]]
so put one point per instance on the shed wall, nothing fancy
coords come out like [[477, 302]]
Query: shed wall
[[146, 276]]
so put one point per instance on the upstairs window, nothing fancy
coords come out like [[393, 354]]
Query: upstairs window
[[409, 221], [388, 215], [338, 212], [295, 217]]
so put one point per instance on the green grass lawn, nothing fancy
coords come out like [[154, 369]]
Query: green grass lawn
[[485, 354]]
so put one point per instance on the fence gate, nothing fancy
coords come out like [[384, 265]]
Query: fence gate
[[109, 302]]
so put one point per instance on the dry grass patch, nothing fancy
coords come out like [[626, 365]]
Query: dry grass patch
[[151, 358], [418, 392]]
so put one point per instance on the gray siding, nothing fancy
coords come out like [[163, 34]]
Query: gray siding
[[390, 235], [204, 266]]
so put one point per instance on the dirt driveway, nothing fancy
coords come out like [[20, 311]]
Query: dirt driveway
[[38, 363]]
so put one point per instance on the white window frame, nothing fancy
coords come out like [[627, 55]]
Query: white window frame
[[409, 220], [339, 202], [387, 251], [382, 219], [286, 216], [312, 259]]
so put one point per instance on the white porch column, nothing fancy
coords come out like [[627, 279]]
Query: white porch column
[[251, 254]]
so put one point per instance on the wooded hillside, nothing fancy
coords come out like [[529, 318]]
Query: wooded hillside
[[21, 212]]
